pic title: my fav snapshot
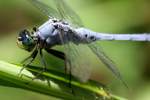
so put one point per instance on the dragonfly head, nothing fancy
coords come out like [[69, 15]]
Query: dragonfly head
[[25, 40]]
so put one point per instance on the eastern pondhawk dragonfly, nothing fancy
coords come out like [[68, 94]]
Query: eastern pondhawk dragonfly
[[64, 27]]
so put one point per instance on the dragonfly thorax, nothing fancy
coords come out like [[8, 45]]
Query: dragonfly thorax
[[56, 32]]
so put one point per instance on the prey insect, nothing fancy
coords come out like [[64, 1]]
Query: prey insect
[[64, 27]]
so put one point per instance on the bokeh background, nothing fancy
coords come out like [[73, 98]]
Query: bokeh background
[[111, 16]]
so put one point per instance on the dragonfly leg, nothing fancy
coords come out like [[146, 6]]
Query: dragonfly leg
[[56, 53], [43, 69], [65, 66], [32, 79], [43, 63], [31, 57], [48, 82], [62, 56], [70, 75], [42, 59]]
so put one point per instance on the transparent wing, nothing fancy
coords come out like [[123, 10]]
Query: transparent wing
[[79, 62], [45, 9], [97, 50], [77, 58], [60, 11], [68, 13]]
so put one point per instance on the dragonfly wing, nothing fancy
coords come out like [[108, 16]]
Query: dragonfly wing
[[61, 11], [105, 59], [45, 9], [76, 58], [68, 13], [78, 61]]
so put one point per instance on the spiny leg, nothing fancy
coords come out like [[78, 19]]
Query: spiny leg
[[65, 65], [44, 65], [48, 82], [69, 73], [62, 56], [31, 57], [56, 53], [42, 59], [44, 68], [67, 61]]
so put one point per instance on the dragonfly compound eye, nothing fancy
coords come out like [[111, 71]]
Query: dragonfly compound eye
[[25, 40]]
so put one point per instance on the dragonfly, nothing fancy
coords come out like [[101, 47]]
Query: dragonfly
[[64, 27]]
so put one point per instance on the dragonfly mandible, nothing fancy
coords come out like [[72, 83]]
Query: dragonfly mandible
[[64, 27]]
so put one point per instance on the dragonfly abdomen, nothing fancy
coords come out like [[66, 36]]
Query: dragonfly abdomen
[[86, 35], [90, 36]]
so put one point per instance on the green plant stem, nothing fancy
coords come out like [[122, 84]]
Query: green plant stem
[[58, 83]]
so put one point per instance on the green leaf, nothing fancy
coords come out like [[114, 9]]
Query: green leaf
[[58, 83]]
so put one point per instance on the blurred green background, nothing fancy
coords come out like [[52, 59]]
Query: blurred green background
[[111, 16]]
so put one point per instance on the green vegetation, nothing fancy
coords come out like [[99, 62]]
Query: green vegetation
[[111, 16], [52, 83]]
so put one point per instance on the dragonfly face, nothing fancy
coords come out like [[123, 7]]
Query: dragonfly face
[[25, 40]]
